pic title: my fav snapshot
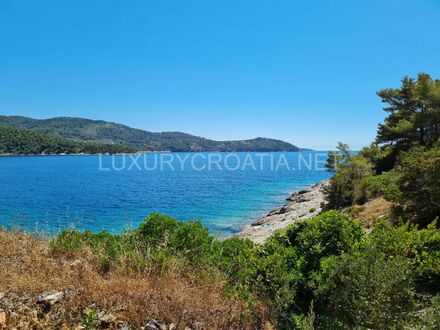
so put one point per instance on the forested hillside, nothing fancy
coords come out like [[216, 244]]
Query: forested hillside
[[98, 131], [15, 140]]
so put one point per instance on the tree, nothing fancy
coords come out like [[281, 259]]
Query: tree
[[334, 158], [349, 172], [419, 184], [414, 116]]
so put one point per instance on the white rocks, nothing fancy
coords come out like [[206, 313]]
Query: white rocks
[[198, 325], [301, 205], [50, 297], [156, 325], [124, 326], [153, 325]]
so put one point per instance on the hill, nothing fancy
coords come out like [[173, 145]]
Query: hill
[[98, 131], [14, 140]]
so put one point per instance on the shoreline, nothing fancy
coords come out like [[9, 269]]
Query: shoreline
[[300, 205], [154, 151]]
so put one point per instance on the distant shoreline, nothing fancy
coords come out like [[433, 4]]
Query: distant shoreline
[[301, 205], [145, 152]]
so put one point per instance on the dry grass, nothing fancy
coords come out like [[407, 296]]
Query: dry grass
[[371, 210], [27, 268]]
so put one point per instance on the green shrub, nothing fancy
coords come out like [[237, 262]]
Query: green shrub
[[157, 229], [290, 260], [419, 185], [237, 259], [382, 282], [420, 246], [366, 289], [347, 185], [429, 317], [326, 272]]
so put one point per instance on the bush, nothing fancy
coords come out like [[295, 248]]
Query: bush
[[325, 272], [290, 260], [384, 281], [420, 246], [159, 243], [366, 289], [374, 186], [346, 186], [419, 185], [237, 259]]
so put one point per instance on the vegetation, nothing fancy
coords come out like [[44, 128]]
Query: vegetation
[[22, 141], [418, 184], [28, 268], [98, 131], [348, 183], [327, 271], [413, 120], [403, 166]]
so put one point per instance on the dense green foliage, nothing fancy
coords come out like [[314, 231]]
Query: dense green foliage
[[413, 120], [98, 131], [407, 148], [348, 183], [418, 184], [325, 273], [15, 140]]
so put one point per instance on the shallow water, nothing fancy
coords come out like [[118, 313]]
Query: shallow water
[[50, 193]]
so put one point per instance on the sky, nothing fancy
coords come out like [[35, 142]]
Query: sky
[[306, 72]]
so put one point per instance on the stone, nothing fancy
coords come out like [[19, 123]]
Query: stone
[[283, 210], [76, 263], [198, 325], [50, 297], [107, 319], [125, 326], [152, 325]]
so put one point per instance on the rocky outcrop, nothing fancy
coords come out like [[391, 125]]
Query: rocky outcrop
[[301, 205]]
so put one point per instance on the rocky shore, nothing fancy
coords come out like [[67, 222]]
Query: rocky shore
[[301, 205]]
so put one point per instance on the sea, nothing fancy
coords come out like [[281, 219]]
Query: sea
[[225, 191]]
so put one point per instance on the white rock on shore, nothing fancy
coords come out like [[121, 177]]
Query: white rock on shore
[[301, 205]]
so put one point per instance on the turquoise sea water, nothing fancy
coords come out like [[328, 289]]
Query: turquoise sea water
[[224, 190]]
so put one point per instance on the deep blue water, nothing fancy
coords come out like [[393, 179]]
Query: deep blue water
[[50, 193]]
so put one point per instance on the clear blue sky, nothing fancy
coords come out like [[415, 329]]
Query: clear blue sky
[[302, 71]]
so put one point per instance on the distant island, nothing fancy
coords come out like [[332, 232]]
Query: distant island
[[77, 135]]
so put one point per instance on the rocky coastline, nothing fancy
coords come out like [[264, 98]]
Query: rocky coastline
[[301, 205]]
